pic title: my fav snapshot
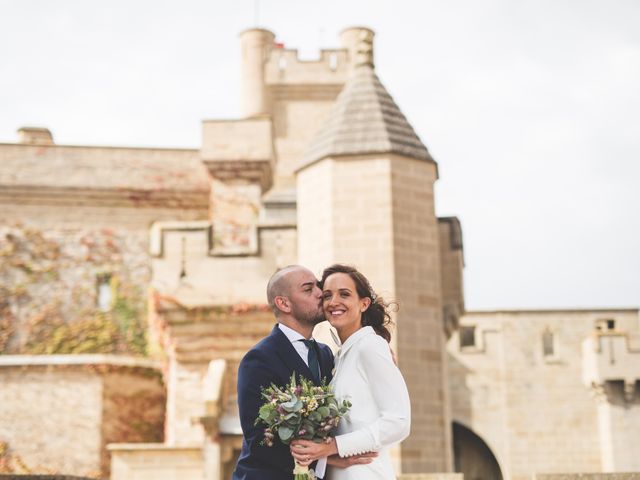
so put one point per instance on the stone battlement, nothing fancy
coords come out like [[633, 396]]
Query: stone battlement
[[285, 67]]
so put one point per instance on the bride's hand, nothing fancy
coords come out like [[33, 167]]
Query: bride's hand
[[308, 451], [300, 459]]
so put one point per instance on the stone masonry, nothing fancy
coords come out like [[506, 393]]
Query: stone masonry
[[58, 412], [533, 408]]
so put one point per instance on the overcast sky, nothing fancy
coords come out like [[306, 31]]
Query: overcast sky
[[530, 108]]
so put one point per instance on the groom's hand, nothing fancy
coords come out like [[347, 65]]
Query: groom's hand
[[362, 459]]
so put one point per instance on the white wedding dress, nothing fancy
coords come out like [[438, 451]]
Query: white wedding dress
[[380, 415]]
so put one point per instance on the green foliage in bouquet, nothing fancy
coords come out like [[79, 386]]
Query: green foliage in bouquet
[[300, 411]]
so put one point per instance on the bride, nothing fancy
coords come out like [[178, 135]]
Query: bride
[[366, 374]]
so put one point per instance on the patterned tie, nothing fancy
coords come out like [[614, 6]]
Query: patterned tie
[[312, 358]]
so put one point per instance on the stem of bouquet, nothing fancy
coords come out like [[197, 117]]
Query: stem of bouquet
[[302, 472]]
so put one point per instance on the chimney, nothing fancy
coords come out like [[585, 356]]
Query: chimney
[[35, 136]]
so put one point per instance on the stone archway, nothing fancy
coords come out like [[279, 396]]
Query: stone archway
[[472, 456]]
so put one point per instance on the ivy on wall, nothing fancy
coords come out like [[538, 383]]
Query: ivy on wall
[[11, 462], [49, 291]]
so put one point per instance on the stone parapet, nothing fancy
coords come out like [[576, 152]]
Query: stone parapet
[[230, 157], [130, 461], [588, 476], [224, 140], [79, 359], [185, 255], [284, 67], [117, 168]]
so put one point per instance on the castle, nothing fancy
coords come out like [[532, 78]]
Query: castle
[[99, 243]]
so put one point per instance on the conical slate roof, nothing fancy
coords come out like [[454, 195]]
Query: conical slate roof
[[365, 119]]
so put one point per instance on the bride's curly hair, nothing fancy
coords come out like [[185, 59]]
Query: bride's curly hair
[[377, 315]]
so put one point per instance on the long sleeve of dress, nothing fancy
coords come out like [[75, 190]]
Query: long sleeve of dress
[[391, 397]]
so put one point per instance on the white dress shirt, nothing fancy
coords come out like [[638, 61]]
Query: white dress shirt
[[380, 415], [296, 340]]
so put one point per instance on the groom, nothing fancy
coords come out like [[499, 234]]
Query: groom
[[296, 300]]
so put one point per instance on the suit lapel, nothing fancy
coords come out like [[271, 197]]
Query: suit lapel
[[289, 356]]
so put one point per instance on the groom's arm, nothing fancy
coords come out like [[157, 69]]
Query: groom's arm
[[253, 375]]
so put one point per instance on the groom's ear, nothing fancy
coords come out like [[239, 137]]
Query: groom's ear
[[283, 304]]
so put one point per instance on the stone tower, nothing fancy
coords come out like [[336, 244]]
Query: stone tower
[[365, 197], [295, 95]]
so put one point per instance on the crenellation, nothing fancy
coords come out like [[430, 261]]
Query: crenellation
[[284, 68]]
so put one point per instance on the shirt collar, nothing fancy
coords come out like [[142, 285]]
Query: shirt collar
[[290, 333]]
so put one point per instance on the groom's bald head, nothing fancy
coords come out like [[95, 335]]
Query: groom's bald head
[[280, 285]]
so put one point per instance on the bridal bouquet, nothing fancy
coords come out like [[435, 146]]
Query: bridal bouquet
[[300, 411]]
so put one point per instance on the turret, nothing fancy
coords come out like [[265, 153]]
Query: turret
[[365, 197], [358, 41], [256, 44]]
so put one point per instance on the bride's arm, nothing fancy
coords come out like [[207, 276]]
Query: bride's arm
[[339, 462], [391, 397], [306, 452]]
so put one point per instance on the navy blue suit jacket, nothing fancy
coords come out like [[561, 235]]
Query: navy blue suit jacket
[[272, 360]]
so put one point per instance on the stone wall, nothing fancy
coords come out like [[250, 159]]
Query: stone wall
[[156, 462], [50, 282], [74, 218], [58, 412], [52, 176], [133, 408], [421, 348], [378, 215], [532, 410]]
